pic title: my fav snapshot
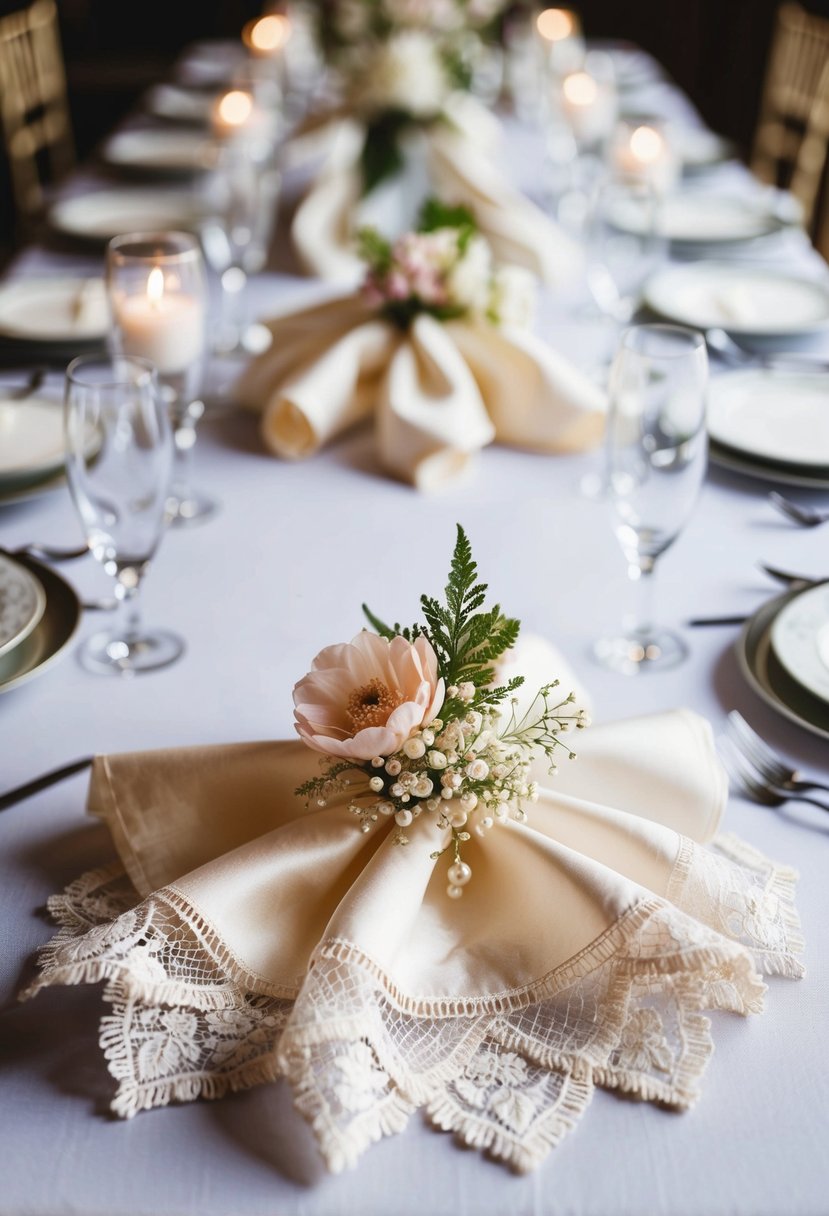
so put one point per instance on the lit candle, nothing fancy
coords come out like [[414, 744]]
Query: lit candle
[[162, 324], [266, 37], [590, 106], [643, 152], [232, 114], [559, 31]]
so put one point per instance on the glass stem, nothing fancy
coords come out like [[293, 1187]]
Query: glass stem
[[184, 438], [643, 573], [233, 282], [127, 626]]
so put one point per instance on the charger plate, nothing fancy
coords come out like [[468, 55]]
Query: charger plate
[[22, 603], [800, 640], [51, 636], [766, 675]]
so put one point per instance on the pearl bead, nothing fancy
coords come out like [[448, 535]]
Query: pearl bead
[[454, 892], [458, 818], [459, 874], [403, 818]]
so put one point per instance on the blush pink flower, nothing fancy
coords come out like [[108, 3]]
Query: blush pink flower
[[365, 697]]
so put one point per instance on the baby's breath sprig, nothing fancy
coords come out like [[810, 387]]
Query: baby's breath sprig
[[470, 768]]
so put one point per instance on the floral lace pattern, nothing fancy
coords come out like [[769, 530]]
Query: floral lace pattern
[[510, 1076]]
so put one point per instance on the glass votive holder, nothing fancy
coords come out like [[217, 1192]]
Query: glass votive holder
[[641, 147]]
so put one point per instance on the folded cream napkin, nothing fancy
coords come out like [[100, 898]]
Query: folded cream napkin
[[245, 937], [455, 159], [439, 392]]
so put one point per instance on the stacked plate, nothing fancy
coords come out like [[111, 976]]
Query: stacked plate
[[773, 425], [39, 614], [161, 151], [102, 214], [32, 453], [783, 652], [699, 223]]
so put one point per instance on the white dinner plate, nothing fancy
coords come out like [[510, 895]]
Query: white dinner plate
[[103, 214], [22, 603], [698, 148], [751, 301], [161, 150], [211, 63], [49, 638], [32, 447], [776, 416], [691, 217], [769, 679], [800, 639], [54, 310], [777, 474], [181, 104]]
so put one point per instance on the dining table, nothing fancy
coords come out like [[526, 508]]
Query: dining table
[[281, 570]]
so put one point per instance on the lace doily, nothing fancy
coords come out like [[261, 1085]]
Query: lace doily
[[510, 1074]]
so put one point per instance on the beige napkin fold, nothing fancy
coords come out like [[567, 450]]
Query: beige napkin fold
[[439, 392], [266, 939], [455, 159]]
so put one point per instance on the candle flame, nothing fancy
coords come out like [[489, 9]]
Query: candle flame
[[580, 89], [235, 108], [646, 144], [268, 34], [155, 285], [555, 24]]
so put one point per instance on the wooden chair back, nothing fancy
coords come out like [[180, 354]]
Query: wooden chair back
[[34, 110], [787, 149]]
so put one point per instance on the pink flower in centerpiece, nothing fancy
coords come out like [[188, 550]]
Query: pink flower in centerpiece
[[365, 697]]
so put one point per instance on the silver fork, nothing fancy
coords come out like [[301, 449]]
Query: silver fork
[[807, 517], [752, 785], [769, 764]]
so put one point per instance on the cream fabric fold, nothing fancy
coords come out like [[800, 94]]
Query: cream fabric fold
[[439, 391], [268, 939], [452, 159]]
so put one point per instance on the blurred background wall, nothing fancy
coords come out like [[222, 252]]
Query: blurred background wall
[[715, 50]]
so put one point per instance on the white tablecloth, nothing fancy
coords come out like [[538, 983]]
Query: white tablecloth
[[256, 592]]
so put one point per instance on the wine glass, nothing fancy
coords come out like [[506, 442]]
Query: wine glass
[[114, 409], [241, 203], [656, 459], [158, 296]]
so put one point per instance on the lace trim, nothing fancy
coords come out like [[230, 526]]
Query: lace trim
[[509, 1074]]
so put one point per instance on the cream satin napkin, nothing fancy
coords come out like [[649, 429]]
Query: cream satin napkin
[[251, 938], [455, 159], [439, 392]]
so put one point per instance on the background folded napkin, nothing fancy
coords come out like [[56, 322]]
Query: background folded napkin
[[440, 391], [451, 159]]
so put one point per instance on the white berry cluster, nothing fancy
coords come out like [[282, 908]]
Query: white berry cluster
[[471, 771]]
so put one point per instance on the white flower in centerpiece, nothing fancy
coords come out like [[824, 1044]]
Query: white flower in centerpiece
[[513, 296], [470, 278], [406, 73]]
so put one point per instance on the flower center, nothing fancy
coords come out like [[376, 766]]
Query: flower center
[[371, 704]]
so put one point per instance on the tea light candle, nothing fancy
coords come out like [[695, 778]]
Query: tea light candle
[[164, 325], [232, 114], [589, 105], [266, 37], [559, 32], [644, 152]]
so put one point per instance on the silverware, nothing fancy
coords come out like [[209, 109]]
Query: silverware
[[753, 785], [41, 783], [807, 517], [36, 378], [788, 578], [769, 764], [716, 620], [48, 553], [721, 342]]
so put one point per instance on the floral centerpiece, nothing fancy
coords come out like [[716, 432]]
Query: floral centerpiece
[[414, 721], [443, 267], [400, 60]]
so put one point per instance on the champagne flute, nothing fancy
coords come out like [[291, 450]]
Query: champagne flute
[[656, 461], [121, 495], [157, 289]]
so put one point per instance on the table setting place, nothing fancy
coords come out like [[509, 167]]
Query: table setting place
[[404, 312]]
